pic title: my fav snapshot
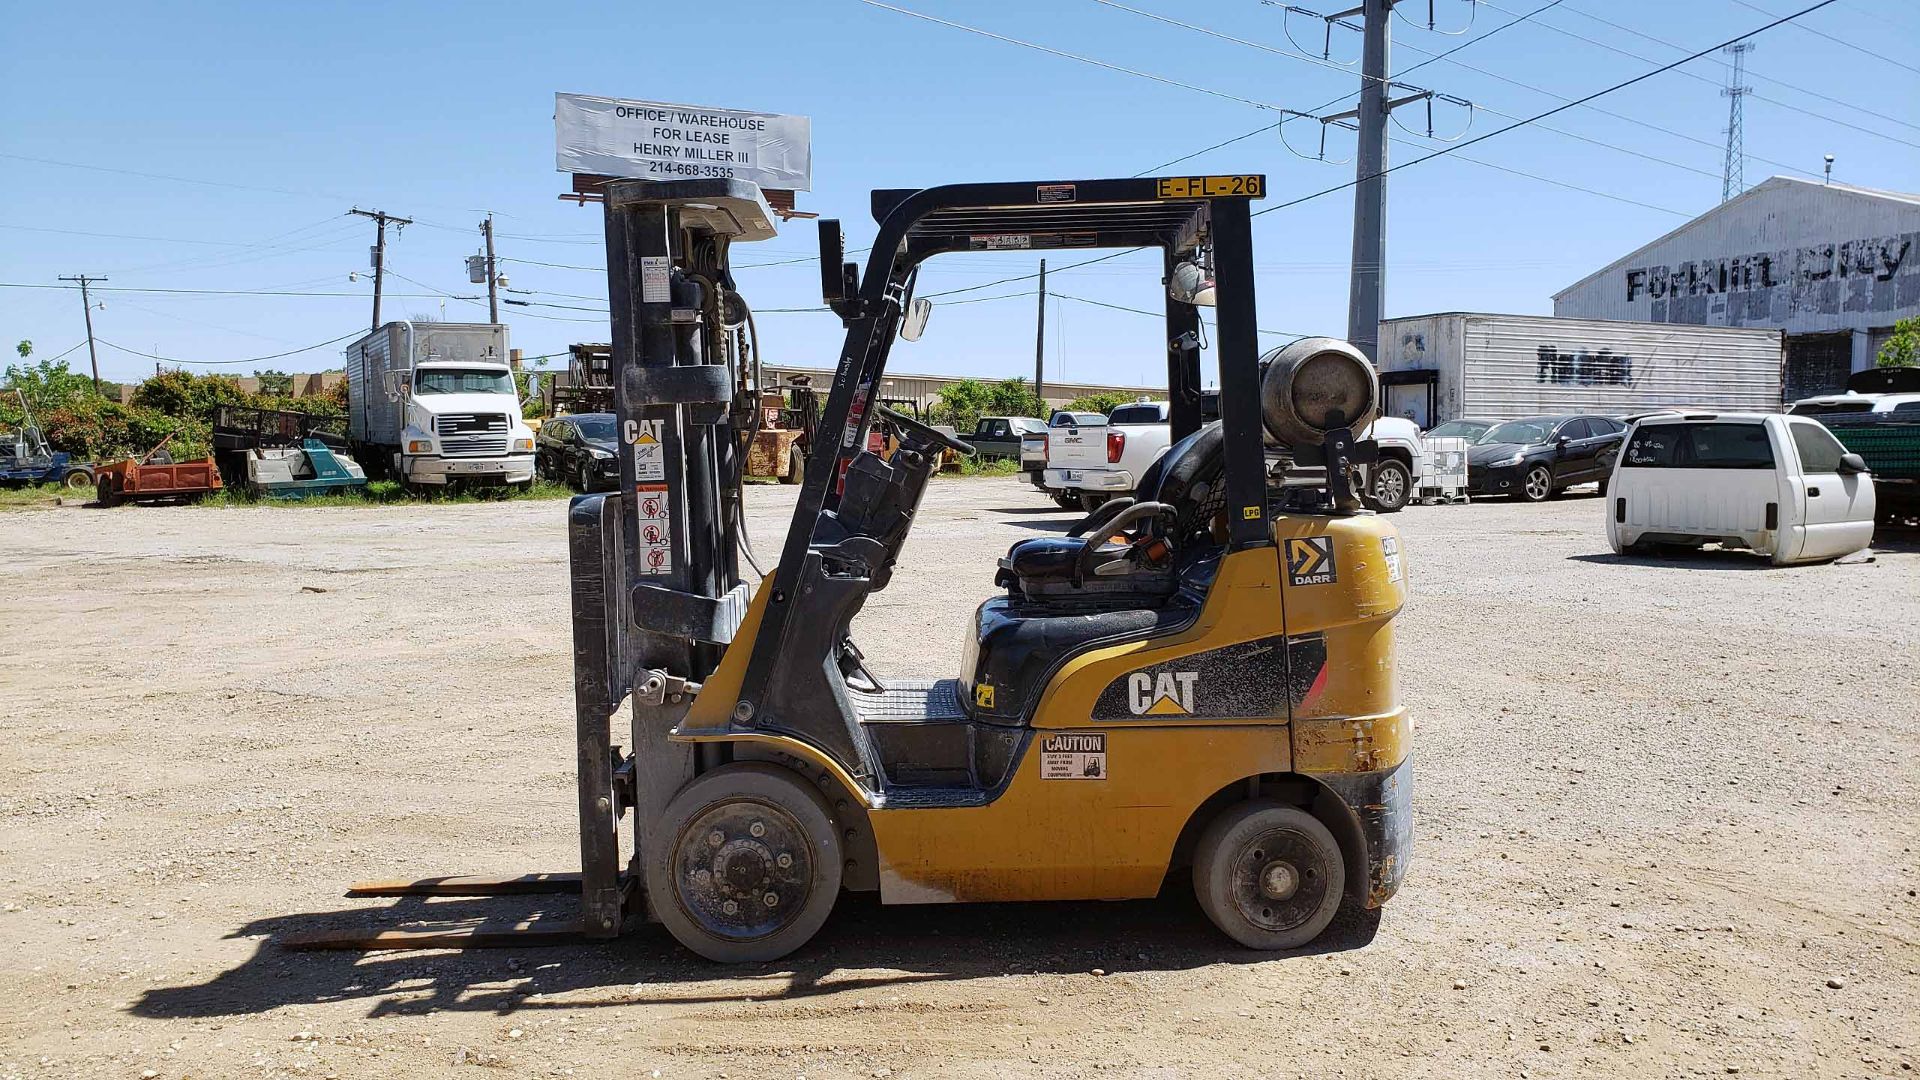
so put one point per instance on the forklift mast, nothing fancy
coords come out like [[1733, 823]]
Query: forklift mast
[[657, 591]]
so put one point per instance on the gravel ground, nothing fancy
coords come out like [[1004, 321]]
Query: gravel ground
[[1666, 823]]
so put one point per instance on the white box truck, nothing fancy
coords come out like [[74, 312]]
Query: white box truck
[[431, 404], [1471, 366]]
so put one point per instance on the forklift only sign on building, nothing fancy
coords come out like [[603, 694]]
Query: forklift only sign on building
[[650, 140]]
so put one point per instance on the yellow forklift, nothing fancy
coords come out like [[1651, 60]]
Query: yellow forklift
[[1197, 680]]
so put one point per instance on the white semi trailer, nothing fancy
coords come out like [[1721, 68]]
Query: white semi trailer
[[1467, 365], [432, 404]]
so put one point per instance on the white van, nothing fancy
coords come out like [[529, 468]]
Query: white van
[[1782, 486]]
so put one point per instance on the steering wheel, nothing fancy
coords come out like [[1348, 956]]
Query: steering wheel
[[927, 434]]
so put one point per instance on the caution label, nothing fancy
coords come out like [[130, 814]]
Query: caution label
[[1390, 547], [656, 532], [1053, 193], [1310, 561], [1074, 755]]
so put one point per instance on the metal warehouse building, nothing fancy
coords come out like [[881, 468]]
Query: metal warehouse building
[[1833, 266]]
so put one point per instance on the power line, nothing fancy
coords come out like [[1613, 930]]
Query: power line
[[1698, 77], [213, 292], [222, 363], [1454, 148], [1162, 314], [1835, 40], [1750, 73], [1072, 56]]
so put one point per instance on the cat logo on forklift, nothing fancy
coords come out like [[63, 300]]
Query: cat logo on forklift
[[1167, 693]]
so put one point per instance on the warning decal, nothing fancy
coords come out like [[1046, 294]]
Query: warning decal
[[649, 456], [1310, 561], [1074, 755], [656, 534], [1390, 547], [1053, 193]]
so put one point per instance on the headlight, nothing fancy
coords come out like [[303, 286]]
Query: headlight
[[419, 446], [599, 455], [1510, 459], [523, 446]]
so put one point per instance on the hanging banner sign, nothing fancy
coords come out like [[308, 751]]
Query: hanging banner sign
[[651, 140]]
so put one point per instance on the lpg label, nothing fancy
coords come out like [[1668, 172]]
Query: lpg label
[[1074, 755]]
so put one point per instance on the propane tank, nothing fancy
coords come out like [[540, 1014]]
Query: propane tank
[[1315, 385]]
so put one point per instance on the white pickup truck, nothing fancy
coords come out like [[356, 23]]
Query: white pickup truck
[[1091, 464]]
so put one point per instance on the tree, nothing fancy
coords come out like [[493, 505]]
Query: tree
[[46, 385], [963, 403], [274, 382], [1103, 402], [25, 348], [1903, 348]]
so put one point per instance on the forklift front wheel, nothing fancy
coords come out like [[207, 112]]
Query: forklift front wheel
[[1270, 876], [748, 866]]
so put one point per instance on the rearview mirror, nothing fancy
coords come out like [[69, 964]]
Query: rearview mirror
[[914, 323], [396, 384], [1852, 463]]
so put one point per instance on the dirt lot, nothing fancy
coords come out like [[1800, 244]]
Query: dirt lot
[[1666, 824]]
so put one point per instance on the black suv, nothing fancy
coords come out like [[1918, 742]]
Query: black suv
[[1537, 458], [581, 450]]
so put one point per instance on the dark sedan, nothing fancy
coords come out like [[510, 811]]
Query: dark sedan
[[581, 450], [1537, 458]]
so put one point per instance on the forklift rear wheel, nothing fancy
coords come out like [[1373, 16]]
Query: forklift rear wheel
[[1270, 876], [748, 866]]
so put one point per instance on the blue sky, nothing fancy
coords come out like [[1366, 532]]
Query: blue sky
[[284, 116]]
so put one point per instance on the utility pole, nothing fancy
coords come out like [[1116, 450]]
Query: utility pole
[[1732, 180], [1040, 342], [493, 297], [380, 220], [86, 308], [1368, 273]]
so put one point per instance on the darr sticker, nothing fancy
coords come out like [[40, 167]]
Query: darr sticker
[[1310, 561], [1390, 546], [1074, 755]]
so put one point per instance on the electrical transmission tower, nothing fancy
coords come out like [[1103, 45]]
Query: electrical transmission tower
[[1732, 182]]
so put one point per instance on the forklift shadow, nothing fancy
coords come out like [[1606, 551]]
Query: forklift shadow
[[863, 948]]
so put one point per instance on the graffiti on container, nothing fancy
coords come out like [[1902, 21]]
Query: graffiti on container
[[1852, 275], [1583, 368]]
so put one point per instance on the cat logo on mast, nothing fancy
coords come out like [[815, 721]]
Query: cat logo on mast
[[1168, 693]]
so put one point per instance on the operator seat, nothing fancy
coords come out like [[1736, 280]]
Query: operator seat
[[1185, 480], [1022, 637]]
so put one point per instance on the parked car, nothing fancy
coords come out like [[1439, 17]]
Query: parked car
[[1087, 465], [1464, 428], [1781, 486], [580, 449], [999, 436], [1537, 458]]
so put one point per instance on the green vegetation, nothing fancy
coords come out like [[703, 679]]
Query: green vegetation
[[977, 466], [1103, 402], [37, 496], [173, 403], [1903, 348], [963, 403], [387, 492]]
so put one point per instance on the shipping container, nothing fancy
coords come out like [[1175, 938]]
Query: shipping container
[[1435, 368]]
